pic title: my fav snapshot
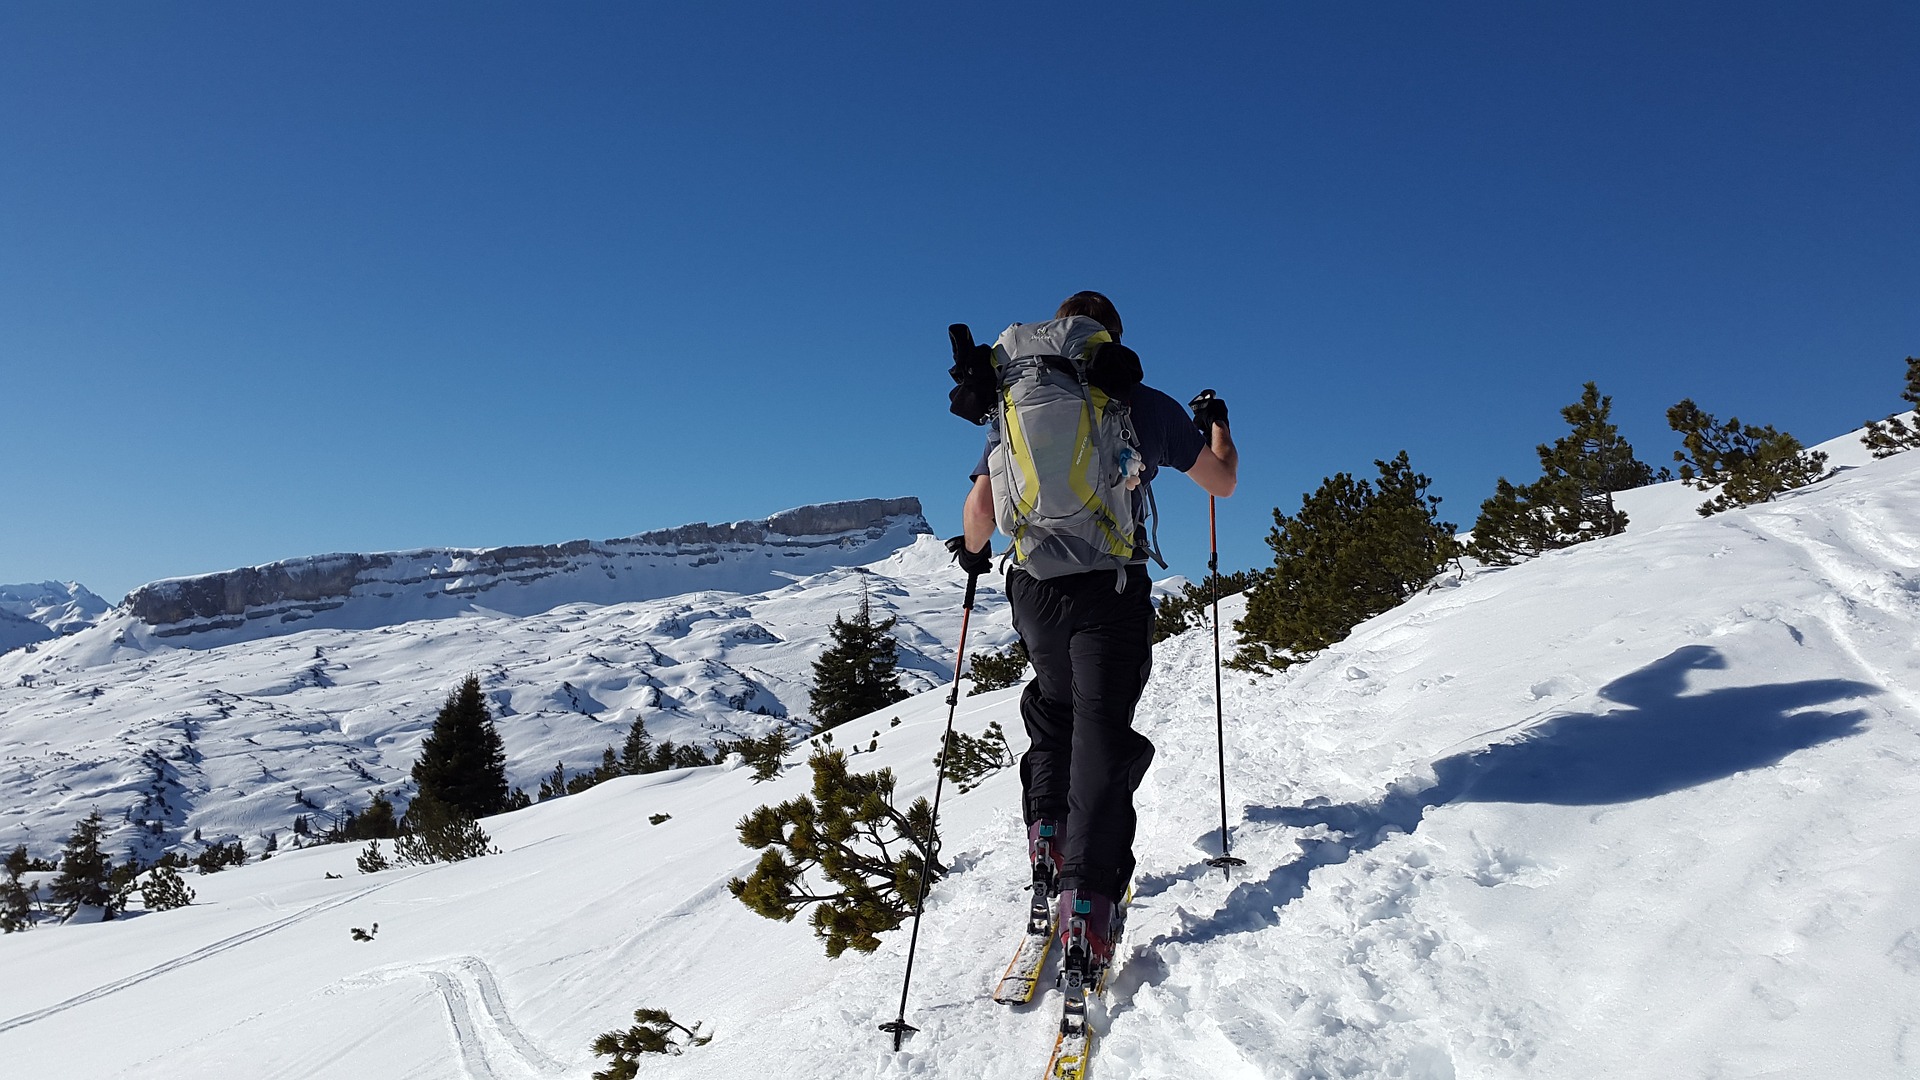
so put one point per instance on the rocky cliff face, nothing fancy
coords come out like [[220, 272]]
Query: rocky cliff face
[[364, 590]]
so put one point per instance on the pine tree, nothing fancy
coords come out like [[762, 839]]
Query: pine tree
[[1188, 608], [165, 890], [856, 675], [1894, 434], [636, 751], [997, 670], [462, 761], [85, 871], [968, 761], [16, 897], [847, 833], [1750, 464], [434, 831], [1354, 551], [1572, 502]]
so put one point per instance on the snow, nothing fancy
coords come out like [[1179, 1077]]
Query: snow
[[1646, 807], [38, 611]]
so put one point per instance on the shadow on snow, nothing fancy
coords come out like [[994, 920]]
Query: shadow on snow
[[1664, 740]]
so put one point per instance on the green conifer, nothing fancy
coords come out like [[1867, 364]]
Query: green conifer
[[846, 850], [1188, 608], [636, 752], [997, 670], [165, 890], [433, 831], [462, 761], [1354, 550], [1895, 434], [1750, 464], [85, 871], [856, 675], [652, 1033], [16, 897], [1572, 502]]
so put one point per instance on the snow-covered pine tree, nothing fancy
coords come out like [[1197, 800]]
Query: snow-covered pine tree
[[1572, 502], [462, 761], [1353, 551], [1750, 464], [85, 871], [856, 675], [1894, 434]]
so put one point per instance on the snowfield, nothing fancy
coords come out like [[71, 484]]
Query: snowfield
[[1648, 807]]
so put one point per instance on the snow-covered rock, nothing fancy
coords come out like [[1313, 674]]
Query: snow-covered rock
[[46, 609]]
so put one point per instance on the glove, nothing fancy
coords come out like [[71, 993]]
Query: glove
[[1208, 411], [974, 563], [972, 396]]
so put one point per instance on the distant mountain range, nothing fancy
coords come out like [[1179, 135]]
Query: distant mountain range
[[229, 704]]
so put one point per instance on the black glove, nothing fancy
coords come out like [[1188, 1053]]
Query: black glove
[[975, 385], [1208, 411], [974, 563]]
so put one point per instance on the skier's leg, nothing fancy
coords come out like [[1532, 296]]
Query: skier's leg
[[1041, 615], [1112, 654]]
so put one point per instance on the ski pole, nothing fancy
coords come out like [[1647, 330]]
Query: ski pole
[[1226, 862], [898, 1025]]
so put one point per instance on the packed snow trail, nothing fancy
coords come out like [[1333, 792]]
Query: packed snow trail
[[1647, 807]]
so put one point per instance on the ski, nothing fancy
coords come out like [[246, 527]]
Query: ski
[[1074, 1045], [1022, 977]]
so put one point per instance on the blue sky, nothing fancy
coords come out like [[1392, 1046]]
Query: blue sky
[[284, 279]]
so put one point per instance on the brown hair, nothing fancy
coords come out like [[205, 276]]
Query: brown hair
[[1094, 306]]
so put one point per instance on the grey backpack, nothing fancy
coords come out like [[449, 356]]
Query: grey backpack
[[1066, 459]]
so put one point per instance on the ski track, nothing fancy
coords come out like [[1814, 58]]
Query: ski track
[[215, 949], [491, 1046]]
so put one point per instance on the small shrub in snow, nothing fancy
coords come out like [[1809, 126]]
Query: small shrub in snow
[[997, 670], [363, 935], [656, 819], [870, 854], [165, 890], [435, 832], [969, 760], [1892, 435], [371, 860], [1750, 464], [214, 859], [767, 755], [653, 1032], [1188, 609]]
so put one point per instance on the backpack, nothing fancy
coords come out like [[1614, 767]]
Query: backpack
[[1066, 460]]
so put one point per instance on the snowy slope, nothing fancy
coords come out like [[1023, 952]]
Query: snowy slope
[[233, 732], [41, 610], [1647, 807]]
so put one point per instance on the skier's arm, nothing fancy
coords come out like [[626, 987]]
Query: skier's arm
[[976, 515], [1217, 469]]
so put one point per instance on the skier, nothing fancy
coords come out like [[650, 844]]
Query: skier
[[1088, 634]]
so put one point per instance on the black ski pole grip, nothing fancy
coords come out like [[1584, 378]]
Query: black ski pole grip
[[972, 580], [961, 335]]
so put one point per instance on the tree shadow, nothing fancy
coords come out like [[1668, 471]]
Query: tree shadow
[[1664, 740]]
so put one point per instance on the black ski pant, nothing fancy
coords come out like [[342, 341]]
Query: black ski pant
[[1091, 647]]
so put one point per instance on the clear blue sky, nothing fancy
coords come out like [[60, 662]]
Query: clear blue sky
[[280, 279]]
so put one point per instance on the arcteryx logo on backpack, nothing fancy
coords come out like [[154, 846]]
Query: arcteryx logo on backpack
[[1066, 460]]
